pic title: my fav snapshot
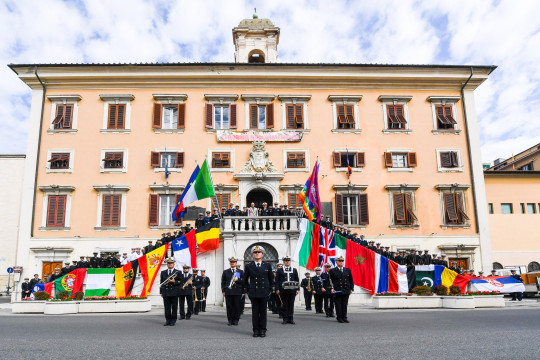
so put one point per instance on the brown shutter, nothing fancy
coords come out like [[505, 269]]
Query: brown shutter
[[454, 159], [450, 207], [115, 211], [51, 210], [440, 115], [339, 208], [59, 116], [290, 117], [388, 162], [209, 116], [232, 116], [360, 159], [411, 159], [350, 114], [299, 117], [341, 114], [179, 159], [181, 116], [363, 213], [391, 111], [121, 116], [399, 207], [399, 114], [112, 117], [448, 115], [408, 205], [106, 211], [154, 159], [446, 161], [459, 202], [156, 124], [292, 201], [68, 116], [153, 211], [336, 157], [253, 116], [270, 116], [60, 210]]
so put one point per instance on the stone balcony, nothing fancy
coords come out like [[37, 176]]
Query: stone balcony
[[260, 224]]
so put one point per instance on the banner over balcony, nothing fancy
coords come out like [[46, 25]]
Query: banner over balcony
[[249, 136]]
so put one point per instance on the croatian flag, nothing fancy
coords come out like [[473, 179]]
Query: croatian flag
[[503, 284], [185, 252]]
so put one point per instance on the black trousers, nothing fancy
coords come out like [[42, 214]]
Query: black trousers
[[170, 303], [328, 304], [203, 303], [518, 295], [341, 301], [273, 303], [197, 304], [307, 298], [287, 296], [189, 302], [318, 302], [258, 313], [243, 304], [234, 307]]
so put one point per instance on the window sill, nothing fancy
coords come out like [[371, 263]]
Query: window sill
[[160, 169], [169, 131], [359, 227], [397, 131], [61, 131], [221, 170], [415, 227], [451, 170], [305, 131], [437, 132], [259, 130], [113, 171], [295, 170], [54, 228], [165, 227], [115, 131], [407, 169], [354, 169], [346, 131], [461, 226], [60, 171], [109, 228]]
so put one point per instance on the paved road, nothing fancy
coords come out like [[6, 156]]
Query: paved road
[[454, 334]]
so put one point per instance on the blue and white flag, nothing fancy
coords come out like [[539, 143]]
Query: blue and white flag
[[38, 287], [502, 284], [182, 253]]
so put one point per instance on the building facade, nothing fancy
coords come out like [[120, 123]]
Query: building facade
[[101, 135]]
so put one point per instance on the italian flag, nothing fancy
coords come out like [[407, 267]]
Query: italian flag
[[99, 282], [202, 187]]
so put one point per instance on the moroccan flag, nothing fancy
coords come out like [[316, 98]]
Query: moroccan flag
[[72, 282], [425, 275], [124, 278], [361, 261], [150, 264], [201, 188], [207, 236], [179, 211], [99, 281]]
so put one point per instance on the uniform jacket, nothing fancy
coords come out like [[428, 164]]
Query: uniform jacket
[[197, 282], [199, 223], [205, 282], [327, 285], [25, 286], [170, 289], [258, 281], [317, 284], [343, 281], [304, 284], [281, 277], [237, 287], [182, 279], [33, 282]]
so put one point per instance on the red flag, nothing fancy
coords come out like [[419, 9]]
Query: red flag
[[48, 287], [393, 284], [461, 282], [80, 274], [361, 261], [313, 260]]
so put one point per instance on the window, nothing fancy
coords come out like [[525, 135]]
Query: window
[[443, 112], [531, 208], [292, 201], [221, 200], [59, 161], [56, 210], [454, 209], [353, 158], [449, 159], [261, 116], [116, 116], [111, 208], [295, 117], [171, 159], [64, 117], [221, 117], [345, 113], [526, 167], [113, 160], [396, 118], [352, 209], [169, 116], [445, 119], [522, 205], [403, 209], [221, 160], [490, 208], [399, 160], [220, 111], [167, 204], [345, 116], [296, 160], [506, 208]]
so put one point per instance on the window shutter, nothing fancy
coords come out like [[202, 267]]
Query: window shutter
[[153, 211], [363, 214], [51, 210], [448, 115], [336, 156], [115, 211], [270, 116], [341, 113], [68, 116], [446, 161], [459, 202], [292, 201], [253, 116], [399, 207], [176, 201], [454, 159], [179, 159], [449, 204], [209, 116], [112, 116], [350, 114], [339, 208], [408, 204], [156, 124], [181, 116], [440, 115], [59, 116], [290, 117], [106, 211], [154, 159], [399, 114], [120, 116], [388, 159], [299, 117], [411, 159], [360, 159], [391, 110], [232, 118]]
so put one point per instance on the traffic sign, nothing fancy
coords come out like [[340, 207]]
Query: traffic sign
[[9, 270]]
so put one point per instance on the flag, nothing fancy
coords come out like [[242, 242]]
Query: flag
[[38, 287], [349, 169], [207, 236], [185, 251], [150, 264], [179, 211], [503, 284], [382, 273], [341, 247], [124, 278], [305, 227], [99, 281], [201, 188], [308, 255], [48, 287], [425, 275], [449, 277], [72, 282], [167, 172], [361, 261], [327, 247], [309, 195]]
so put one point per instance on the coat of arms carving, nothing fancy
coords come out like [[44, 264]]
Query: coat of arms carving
[[259, 162]]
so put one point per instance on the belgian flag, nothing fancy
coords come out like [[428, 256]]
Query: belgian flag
[[124, 278], [207, 236]]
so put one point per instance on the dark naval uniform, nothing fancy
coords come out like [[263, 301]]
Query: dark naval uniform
[[327, 297], [343, 284], [204, 293], [186, 293], [258, 285], [170, 292], [287, 295], [319, 295], [197, 284], [233, 293], [307, 285]]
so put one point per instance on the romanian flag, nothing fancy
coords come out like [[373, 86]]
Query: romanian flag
[[309, 195], [150, 265], [124, 278], [207, 236]]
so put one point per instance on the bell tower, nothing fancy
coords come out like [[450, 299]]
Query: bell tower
[[255, 41]]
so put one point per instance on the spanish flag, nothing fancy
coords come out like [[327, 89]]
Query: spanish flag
[[207, 236], [124, 278], [150, 265]]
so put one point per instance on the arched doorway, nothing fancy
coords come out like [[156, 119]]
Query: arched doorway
[[258, 196], [270, 255], [256, 56]]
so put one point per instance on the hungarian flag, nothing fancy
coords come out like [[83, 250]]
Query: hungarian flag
[[72, 282], [179, 211], [207, 236], [200, 188], [124, 278], [185, 251], [150, 264], [99, 281], [307, 248], [361, 261]]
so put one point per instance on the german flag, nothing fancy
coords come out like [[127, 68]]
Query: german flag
[[207, 236], [124, 278]]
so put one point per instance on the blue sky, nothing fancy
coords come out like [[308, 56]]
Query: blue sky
[[504, 33]]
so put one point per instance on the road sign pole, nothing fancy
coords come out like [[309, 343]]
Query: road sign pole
[[8, 282]]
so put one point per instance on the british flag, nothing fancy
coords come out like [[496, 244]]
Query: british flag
[[327, 248]]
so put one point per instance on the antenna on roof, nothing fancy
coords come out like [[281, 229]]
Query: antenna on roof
[[255, 16]]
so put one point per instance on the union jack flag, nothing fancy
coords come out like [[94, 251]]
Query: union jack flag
[[327, 248]]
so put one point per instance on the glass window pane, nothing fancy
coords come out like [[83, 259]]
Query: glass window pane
[[170, 114], [399, 160], [506, 208], [262, 117], [531, 208]]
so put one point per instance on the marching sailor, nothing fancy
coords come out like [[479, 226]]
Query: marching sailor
[[170, 290], [186, 293], [287, 288], [343, 286], [205, 280], [318, 291], [197, 285], [307, 285], [232, 281], [327, 292]]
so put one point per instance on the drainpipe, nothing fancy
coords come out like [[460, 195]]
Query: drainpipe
[[38, 151]]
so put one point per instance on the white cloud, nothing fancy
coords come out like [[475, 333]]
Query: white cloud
[[505, 33]]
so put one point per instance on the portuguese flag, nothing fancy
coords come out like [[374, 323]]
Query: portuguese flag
[[124, 278], [99, 281], [72, 282]]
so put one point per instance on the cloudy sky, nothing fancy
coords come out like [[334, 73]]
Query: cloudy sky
[[503, 32]]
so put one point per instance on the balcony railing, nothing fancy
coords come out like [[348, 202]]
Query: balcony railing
[[260, 223]]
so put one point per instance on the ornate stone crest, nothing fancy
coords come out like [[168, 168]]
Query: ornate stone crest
[[259, 162]]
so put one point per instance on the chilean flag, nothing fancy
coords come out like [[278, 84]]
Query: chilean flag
[[185, 251], [179, 211]]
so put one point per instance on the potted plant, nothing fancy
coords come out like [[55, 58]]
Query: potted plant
[[389, 301], [36, 306], [423, 298]]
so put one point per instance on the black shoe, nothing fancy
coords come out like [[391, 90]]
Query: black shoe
[[235, 322], [203, 310], [172, 324], [188, 317], [262, 334], [167, 324], [291, 322], [327, 315], [284, 322], [340, 321], [255, 334], [182, 318], [346, 321], [229, 323], [281, 317], [331, 315]]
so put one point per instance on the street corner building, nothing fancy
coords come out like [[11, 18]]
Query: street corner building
[[112, 146]]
